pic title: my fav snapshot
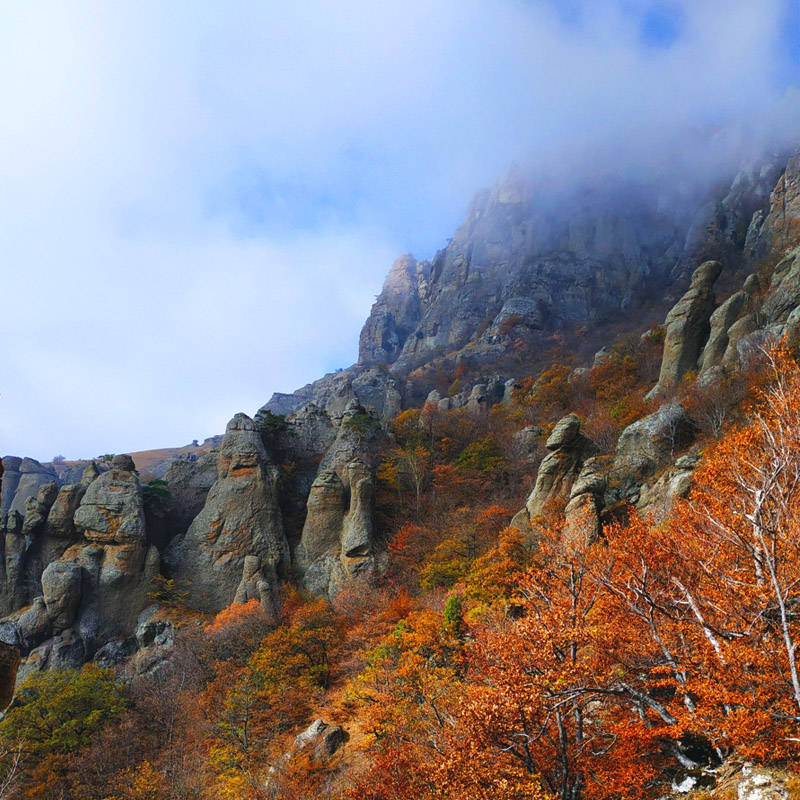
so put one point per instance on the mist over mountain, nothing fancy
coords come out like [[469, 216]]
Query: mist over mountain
[[236, 185]]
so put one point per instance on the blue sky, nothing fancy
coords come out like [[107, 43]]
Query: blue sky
[[201, 199]]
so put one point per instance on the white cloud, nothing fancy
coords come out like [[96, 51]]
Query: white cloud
[[200, 199]]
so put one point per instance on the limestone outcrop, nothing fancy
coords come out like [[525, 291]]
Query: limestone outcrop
[[567, 479], [37, 508], [11, 476], [651, 443], [777, 230], [675, 483], [568, 451], [687, 328], [118, 566], [86, 549], [396, 312], [25, 478], [720, 323], [582, 514], [241, 518], [339, 542], [189, 482]]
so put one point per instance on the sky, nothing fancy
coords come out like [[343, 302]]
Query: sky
[[199, 201]]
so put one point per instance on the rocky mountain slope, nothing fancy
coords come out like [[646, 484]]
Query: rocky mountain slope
[[531, 260], [83, 554]]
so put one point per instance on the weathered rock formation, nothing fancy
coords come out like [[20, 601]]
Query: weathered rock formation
[[94, 568], [24, 480], [582, 514], [569, 450], [241, 518], [339, 542], [652, 442], [778, 228], [567, 479], [189, 482], [11, 476], [674, 483], [118, 566], [687, 328]]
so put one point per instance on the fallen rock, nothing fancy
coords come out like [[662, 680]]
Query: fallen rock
[[323, 739]]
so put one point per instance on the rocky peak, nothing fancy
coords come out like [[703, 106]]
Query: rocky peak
[[396, 312]]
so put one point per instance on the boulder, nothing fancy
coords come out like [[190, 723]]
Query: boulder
[[241, 517], [650, 443], [33, 624], [322, 738]]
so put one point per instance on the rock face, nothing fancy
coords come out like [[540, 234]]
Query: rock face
[[779, 229], [687, 327], [32, 475], [11, 477], [396, 313], [338, 542], [508, 265], [189, 482], [85, 547], [530, 258], [118, 566], [720, 323], [241, 518]]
